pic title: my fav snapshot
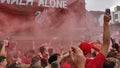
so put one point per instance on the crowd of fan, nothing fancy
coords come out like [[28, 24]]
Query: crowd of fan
[[86, 55]]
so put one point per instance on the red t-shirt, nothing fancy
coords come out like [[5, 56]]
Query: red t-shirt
[[97, 62], [65, 65], [26, 60]]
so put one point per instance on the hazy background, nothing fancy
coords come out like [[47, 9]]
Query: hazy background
[[101, 4]]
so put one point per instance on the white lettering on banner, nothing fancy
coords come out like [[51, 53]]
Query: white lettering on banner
[[53, 3], [14, 1], [43, 3], [29, 1], [21, 3], [40, 3], [65, 4], [3, 1], [38, 14], [46, 3]]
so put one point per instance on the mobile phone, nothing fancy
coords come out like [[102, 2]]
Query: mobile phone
[[107, 11], [115, 45]]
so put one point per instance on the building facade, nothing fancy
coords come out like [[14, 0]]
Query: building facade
[[116, 15]]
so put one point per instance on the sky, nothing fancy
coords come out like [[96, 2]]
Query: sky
[[101, 4]]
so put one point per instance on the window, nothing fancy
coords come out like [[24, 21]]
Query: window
[[116, 16]]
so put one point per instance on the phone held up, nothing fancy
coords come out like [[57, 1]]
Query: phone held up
[[107, 10]]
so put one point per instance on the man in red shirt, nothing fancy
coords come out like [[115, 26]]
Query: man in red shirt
[[98, 61]]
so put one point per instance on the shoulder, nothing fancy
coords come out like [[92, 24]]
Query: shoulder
[[96, 62]]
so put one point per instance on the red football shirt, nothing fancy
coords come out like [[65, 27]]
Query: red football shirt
[[97, 62]]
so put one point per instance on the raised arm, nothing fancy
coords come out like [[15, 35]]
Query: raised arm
[[106, 35], [2, 49], [77, 59]]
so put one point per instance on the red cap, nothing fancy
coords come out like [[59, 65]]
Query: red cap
[[86, 47]]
